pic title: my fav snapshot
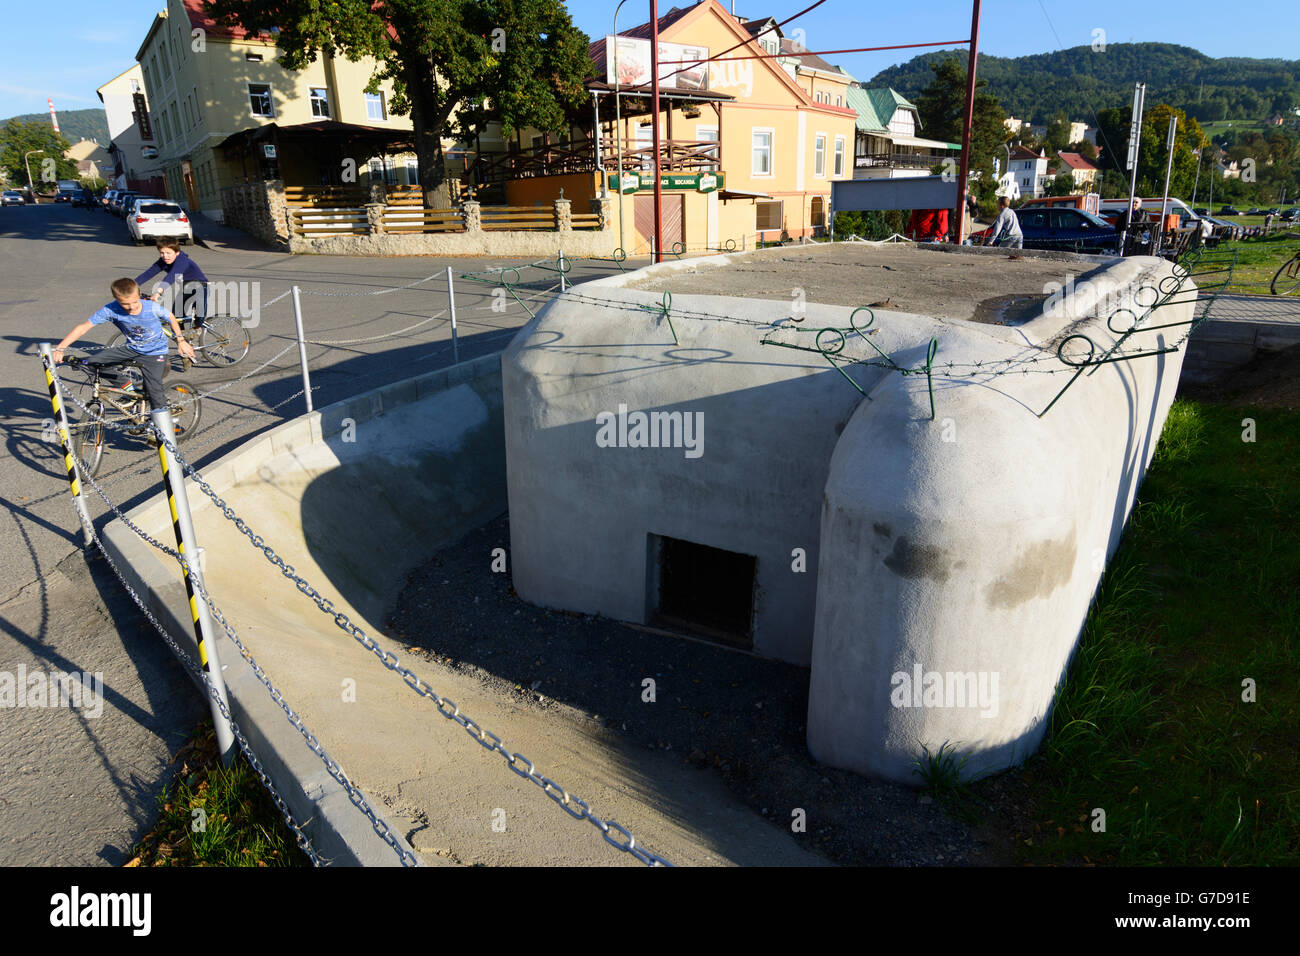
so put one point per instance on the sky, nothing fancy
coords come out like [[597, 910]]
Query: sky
[[88, 43]]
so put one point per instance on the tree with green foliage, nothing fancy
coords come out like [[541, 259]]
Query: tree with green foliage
[[1062, 184], [455, 65], [942, 109], [1154, 155], [47, 166], [1085, 149], [1058, 132]]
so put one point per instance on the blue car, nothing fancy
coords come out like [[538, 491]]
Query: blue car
[[1065, 230]]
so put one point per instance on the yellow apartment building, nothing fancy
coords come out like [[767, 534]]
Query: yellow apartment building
[[223, 112], [750, 143]]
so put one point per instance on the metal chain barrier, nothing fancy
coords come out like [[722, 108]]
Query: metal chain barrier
[[331, 766], [445, 706], [303, 843], [374, 338]]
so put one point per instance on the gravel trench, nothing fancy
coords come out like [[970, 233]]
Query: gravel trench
[[726, 712]]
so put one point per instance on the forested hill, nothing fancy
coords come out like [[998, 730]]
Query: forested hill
[[75, 125], [1079, 80]]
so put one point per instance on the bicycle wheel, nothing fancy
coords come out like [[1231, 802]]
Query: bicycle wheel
[[223, 341], [87, 437], [1287, 279], [183, 400]]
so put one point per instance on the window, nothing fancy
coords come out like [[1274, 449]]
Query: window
[[839, 155], [135, 86], [259, 98], [253, 57], [839, 101], [189, 121], [412, 172], [167, 70], [376, 170], [762, 152], [708, 134], [769, 215], [320, 104], [819, 156], [375, 106]]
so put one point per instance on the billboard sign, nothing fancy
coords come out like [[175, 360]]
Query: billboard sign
[[634, 63]]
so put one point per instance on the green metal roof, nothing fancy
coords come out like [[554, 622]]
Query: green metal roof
[[876, 107]]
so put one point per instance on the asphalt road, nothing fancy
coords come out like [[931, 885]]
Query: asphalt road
[[78, 785]]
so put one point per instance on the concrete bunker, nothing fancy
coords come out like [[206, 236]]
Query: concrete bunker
[[932, 570]]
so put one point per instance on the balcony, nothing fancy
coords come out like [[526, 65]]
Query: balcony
[[903, 160], [676, 155]]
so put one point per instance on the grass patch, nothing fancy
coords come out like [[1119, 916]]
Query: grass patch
[[216, 816], [1150, 725], [1258, 260]]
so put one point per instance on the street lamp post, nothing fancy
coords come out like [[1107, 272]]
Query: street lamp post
[[30, 188], [618, 127]]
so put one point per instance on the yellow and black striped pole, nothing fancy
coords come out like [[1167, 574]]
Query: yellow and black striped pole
[[186, 543], [61, 423]]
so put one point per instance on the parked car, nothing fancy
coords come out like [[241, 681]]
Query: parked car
[[152, 219], [1062, 229], [133, 200], [64, 195], [1255, 212], [1229, 211], [1290, 213], [1203, 211], [12, 197], [120, 203], [106, 198]]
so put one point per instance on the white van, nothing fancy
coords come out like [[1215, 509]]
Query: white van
[[1111, 208]]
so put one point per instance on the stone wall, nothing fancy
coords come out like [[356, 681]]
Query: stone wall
[[258, 209]]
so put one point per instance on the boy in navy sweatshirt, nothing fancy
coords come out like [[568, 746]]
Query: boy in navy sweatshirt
[[188, 285]]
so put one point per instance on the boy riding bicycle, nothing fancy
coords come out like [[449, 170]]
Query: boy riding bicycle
[[146, 344], [178, 271]]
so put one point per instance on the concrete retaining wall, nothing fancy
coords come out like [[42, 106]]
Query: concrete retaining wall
[[404, 505]]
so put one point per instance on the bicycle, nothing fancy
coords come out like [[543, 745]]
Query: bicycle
[[220, 340], [1287, 279], [108, 404]]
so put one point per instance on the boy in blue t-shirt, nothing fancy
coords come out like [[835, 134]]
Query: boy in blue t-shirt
[[146, 345]]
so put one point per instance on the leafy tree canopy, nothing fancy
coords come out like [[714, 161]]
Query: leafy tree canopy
[[17, 138], [942, 108], [454, 65]]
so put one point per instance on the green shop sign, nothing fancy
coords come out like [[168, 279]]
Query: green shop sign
[[635, 182]]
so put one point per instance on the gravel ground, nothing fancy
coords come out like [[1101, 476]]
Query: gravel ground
[[979, 285], [726, 712]]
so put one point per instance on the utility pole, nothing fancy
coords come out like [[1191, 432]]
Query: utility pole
[[654, 112], [963, 180], [1164, 203]]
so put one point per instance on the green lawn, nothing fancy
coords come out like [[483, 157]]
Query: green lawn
[[1152, 725], [1258, 260]]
